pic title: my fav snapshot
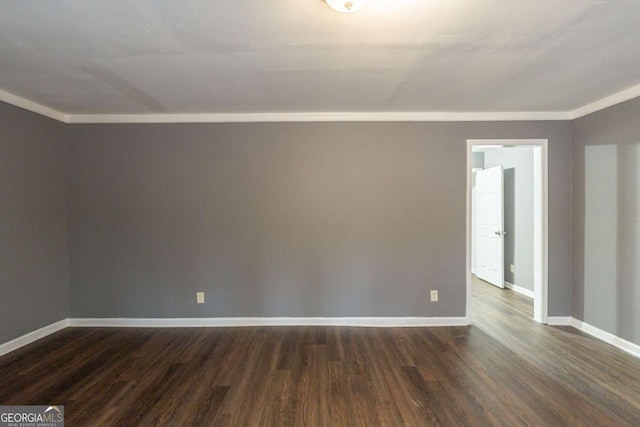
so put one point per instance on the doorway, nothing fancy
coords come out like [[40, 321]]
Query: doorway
[[488, 226]]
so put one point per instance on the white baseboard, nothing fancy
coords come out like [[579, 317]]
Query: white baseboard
[[270, 321], [622, 344], [616, 341], [32, 336], [627, 346], [519, 289], [559, 320]]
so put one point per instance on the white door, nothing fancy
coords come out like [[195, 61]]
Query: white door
[[489, 234]]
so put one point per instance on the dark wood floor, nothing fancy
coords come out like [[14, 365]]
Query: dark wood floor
[[504, 371]]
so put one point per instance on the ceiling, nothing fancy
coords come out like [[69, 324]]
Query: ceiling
[[248, 56]]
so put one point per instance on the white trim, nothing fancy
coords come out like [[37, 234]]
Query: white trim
[[319, 117], [627, 346], [519, 289], [269, 321], [540, 217], [32, 336], [559, 321], [32, 106], [469, 229], [541, 233], [616, 341], [609, 338], [606, 102], [541, 293], [389, 116]]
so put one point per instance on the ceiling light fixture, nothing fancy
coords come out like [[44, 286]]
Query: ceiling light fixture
[[346, 6]]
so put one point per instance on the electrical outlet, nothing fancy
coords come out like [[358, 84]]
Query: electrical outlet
[[512, 268], [200, 297], [434, 296]]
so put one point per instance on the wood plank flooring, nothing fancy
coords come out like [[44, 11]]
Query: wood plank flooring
[[503, 371]]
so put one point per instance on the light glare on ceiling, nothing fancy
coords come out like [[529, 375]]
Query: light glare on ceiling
[[347, 6]]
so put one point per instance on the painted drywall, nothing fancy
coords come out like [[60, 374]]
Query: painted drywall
[[285, 219], [606, 220], [517, 163], [33, 234]]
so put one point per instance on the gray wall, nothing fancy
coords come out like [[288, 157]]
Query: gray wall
[[296, 219], [518, 211], [606, 220], [33, 235]]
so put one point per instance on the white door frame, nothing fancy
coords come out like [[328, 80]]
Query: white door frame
[[541, 222]]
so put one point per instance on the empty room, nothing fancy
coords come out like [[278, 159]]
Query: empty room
[[319, 213]]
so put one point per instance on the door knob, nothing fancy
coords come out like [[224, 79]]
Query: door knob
[[501, 233]]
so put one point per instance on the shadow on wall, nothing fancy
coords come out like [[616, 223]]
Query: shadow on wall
[[612, 239]]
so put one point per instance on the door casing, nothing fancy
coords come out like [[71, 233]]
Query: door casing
[[541, 221]]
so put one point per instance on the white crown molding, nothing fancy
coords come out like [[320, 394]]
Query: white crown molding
[[609, 101], [32, 106], [32, 336], [427, 116], [207, 322], [318, 117]]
